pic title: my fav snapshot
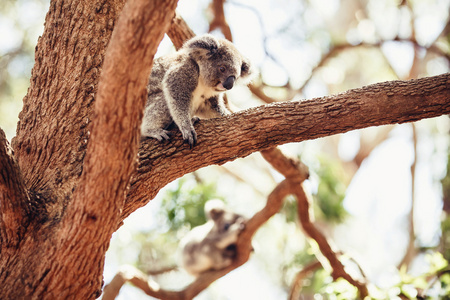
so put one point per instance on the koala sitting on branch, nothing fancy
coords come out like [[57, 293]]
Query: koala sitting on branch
[[212, 246], [189, 85]]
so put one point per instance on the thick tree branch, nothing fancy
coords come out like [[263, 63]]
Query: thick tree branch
[[14, 210], [111, 154], [225, 139], [82, 236], [53, 129]]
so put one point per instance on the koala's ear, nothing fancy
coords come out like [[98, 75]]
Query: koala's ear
[[215, 213], [247, 72], [214, 209], [245, 68], [206, 41]]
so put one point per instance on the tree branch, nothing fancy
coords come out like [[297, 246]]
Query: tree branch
[[219, 20], [243, 245], [324, 246], [14, 210], [296, 286], [110, 159], [138, 279], [53, 129], [179, 31], [225, 139], [296, 173]]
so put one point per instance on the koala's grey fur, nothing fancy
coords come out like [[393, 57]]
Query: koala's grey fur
[[212, 246], [189, 84]]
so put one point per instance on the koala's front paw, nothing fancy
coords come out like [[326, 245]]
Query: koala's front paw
[[189, 136], [159, 134], [225, 262], [230, 251], [195, 120]]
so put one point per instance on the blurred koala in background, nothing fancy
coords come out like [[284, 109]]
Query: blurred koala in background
[[212, 246]]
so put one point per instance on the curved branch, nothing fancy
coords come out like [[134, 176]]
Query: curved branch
[[225, 139], [219, 20], [140, 280], [179, 31], [296, 286], [296, 172]]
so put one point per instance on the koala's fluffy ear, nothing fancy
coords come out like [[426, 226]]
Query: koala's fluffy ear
[[216, 214], [245, 68], [205, 41], [214, 209], [247, 71]]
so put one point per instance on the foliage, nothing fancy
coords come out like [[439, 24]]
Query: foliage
[[445, 225], [184, 206], [331, 190], [445, 240], [157, 251]]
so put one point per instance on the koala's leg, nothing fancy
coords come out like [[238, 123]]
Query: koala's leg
[[219, 260], [214, 108], [217, 104], [178, 85], [156, 119]]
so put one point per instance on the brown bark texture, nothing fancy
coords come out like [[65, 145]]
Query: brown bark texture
[[70, 176], [75, 192]]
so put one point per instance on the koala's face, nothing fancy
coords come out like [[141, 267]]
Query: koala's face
[[219, 61], [229, 222]]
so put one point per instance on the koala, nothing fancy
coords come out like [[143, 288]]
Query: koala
[[212, 246], [189, 85]]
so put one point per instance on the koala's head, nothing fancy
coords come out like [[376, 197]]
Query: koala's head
[[220, 63], [225, 222]]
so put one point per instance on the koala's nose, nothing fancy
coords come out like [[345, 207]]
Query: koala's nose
[[228, 83]]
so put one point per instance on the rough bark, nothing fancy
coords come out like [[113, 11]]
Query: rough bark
[[52, 133], [62, 255], [13, 199]]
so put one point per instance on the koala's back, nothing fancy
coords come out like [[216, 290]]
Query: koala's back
[[159, 69], [211, 245]]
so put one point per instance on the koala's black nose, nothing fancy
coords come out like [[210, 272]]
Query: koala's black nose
[[228, 83]]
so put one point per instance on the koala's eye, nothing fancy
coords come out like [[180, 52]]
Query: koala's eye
[[222, 69], [226, 226]]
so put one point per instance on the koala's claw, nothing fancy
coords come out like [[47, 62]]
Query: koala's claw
[[195, 120], [159, 134], [190, 137]]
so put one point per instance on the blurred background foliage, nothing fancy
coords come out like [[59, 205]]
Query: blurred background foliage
[[361, 181]]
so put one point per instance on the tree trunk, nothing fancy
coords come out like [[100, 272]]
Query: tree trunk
[[63, 191], [53, 243]]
